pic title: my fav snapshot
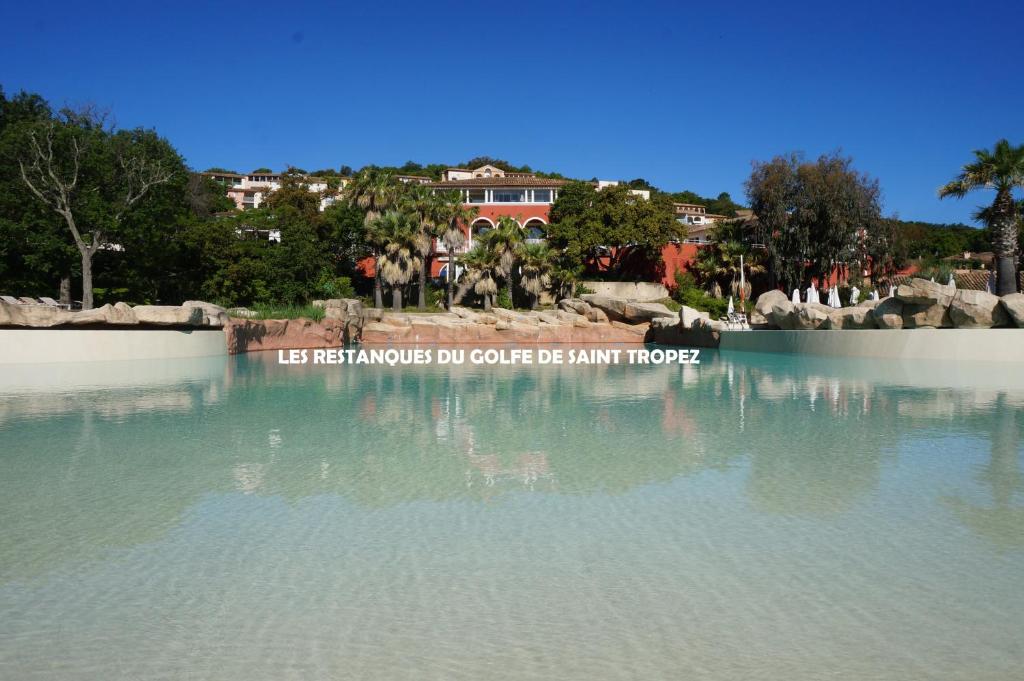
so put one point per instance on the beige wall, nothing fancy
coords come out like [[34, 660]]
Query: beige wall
[[32, 346], [643, 291], [954, 345]]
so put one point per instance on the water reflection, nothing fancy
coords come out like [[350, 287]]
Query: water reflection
[[116, 457]]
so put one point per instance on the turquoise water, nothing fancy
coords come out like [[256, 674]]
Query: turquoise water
[[754, 517]]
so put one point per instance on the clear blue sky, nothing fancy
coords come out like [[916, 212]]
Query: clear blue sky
[[685, 95]]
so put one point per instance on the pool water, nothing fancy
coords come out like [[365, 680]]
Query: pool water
[[753, 517]]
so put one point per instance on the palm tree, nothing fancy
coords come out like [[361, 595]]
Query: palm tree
[[481, 265], [426, 207], [373, 191], [1001, 169], [537, 260], [396, 236], [719, 261], [453, 215], [506, 240]]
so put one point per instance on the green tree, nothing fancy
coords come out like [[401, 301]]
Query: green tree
[[506, 241], [718, 264], [92, 177], [427, 210], [1001, 169], [587, 224], [537, 261], [482, 265], [454, 221], [374, 191], [810, 215], [396, 235]]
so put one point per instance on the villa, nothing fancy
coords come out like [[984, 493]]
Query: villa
[[250, 191]]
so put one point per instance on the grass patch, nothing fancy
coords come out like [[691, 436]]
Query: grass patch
[[271, 311]]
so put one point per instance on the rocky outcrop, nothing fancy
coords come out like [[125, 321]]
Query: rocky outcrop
[[645, 312], [503, 326], [810, 316], [577, 305], [851, 318], [249, 335], [977, 310], [926, 316], [689, 316], [1014, 306], [614, 308], [925, 304], [168, 315], [193, 313], [888, 313], [348, 310], [767, 301], [213, 315]]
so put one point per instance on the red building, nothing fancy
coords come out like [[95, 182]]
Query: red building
[[495, 193]]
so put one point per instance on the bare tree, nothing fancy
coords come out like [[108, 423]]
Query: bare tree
[[53, 172]]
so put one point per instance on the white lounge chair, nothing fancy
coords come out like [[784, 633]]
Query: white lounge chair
[[53, 303], [10, 300]]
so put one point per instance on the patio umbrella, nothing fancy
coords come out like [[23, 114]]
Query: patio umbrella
[[854, 295], [952, 281], [811, 294], [874, 295], [933, 280], [833, 297], [796, 295], [988, 284], [731, 308]]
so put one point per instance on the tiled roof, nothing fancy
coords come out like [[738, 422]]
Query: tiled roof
[[968, 279], [499, 182]]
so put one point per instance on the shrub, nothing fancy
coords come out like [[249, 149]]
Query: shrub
[[688, 293], [272, 311]]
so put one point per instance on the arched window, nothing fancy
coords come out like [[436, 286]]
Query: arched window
[[535, 230]]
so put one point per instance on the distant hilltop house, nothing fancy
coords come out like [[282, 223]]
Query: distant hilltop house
[[250, 191], [697, 220]]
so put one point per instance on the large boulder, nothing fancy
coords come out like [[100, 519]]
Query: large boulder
[[870, 303], [168, 315], [577, 305], [645, 312], [664, 322], [926, 316], [688, 316], [39, 316], [615, 308], [888, 313], [925, 304], [809, 316], [768, 299], [852, 318], [782, 315], [919, 291], [1013, 303], [596, 315], [972, 309], [213, 315], [118, 314]]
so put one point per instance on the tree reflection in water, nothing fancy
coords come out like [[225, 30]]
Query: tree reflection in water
[[121, 463]]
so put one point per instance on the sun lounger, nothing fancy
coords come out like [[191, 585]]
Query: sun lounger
[[29, 301], [10, 300], [736, 319], [53, 303]]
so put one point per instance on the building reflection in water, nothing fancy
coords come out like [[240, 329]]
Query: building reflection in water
[[811, 438]]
